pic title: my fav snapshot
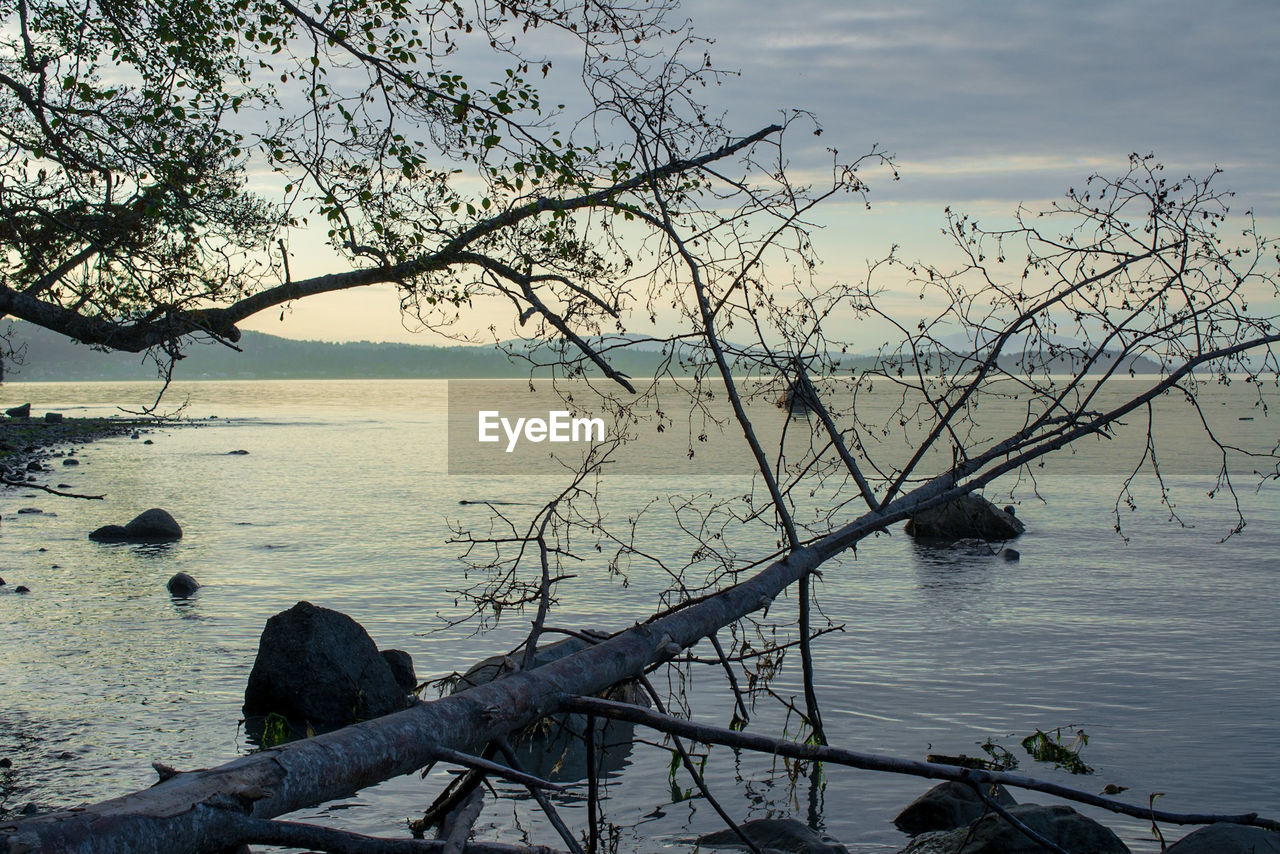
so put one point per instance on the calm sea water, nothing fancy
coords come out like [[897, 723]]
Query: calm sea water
[[1164, 648]]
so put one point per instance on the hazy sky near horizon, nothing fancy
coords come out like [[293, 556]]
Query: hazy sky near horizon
[[985, 103]]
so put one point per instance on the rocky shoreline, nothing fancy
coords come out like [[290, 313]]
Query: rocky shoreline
[[30, 446]]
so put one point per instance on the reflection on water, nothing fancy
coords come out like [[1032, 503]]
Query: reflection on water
[[1165, 649], [955, 576]]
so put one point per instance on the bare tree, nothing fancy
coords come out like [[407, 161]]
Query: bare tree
[[1139, 267], [127, 223]]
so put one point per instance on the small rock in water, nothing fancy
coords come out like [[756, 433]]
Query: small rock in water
[[945, 807], [1012, 554], [29, 809], [969, 516], [64, 486], [6, 762], [993, 835], [1, 582], [23, 411], [1223, 838], [148, 442], [30, 511], [150, 526], [71, 461], [34, 466], [53, 418], [22, 588], [135, 435], [182, 585], [239, 453], [109, 534]]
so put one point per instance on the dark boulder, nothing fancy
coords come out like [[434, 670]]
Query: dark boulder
[[947, 806], [54, 418], [22, 588], [1225, 838], [969, 516], [401, 664], [182, 585], [150, 526], [23, 411], [1011, 555], [71, 461], [34, 465], [154, 524], [320, 668], [993, 835], [776, 834]]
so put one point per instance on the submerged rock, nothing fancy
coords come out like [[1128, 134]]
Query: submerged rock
[[320, 668], [964, 517], [109, 534], [993, 835], [554, 748], [1223, 838], [182, 585], [947, 806], [776, 834], [150, 526]]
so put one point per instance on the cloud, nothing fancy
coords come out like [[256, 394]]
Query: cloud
[[949, 83]]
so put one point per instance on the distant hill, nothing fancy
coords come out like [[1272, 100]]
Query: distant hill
[[44, 356]]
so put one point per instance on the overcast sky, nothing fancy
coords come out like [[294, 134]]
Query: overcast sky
[[986, 103]]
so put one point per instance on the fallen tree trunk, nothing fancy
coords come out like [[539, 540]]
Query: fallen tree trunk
[[195, 812]]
